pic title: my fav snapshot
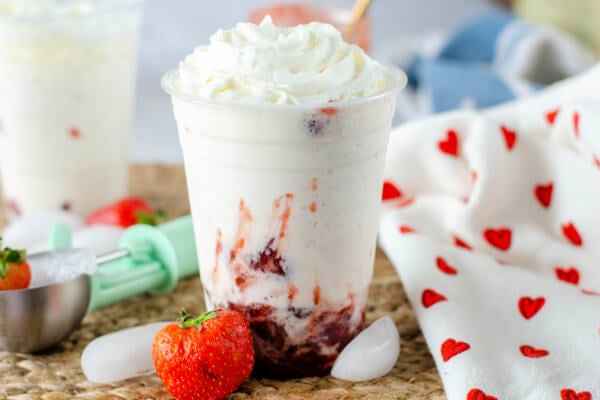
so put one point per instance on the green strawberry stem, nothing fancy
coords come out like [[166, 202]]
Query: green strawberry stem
[[3, 269], [186, 320], [150, 219], [9, 256]]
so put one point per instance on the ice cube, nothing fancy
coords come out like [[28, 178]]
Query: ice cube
[[100, 239], [372, 354], [50, 267], [32, 231], [120, 355]]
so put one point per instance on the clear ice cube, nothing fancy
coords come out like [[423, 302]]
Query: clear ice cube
[[370, 355], [100, 239], [48, 268], [120, 355], [32, 231]]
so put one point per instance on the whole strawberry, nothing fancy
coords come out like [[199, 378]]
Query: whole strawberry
[[125, 213], [14, 269], [206, 357]]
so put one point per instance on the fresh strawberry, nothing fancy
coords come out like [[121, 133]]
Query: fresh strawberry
[[14, 270], [125, 213], [207, 357]]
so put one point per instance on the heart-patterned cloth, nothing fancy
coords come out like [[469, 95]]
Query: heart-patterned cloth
[[493, 222]]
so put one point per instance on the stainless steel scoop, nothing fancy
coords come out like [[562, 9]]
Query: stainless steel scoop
[[151, 259], [35, 319]]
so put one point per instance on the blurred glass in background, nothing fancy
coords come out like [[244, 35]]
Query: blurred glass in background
[[67, 78], [304, 13]]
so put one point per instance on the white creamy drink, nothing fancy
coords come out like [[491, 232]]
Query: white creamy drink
[[284, 133], [67, 81]]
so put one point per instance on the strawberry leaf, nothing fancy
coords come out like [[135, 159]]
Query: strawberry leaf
[[150, 219], [186, 320], [10, 256], [14, 256], [3, 269]]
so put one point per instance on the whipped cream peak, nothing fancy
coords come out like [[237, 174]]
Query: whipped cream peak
[[266, 63]]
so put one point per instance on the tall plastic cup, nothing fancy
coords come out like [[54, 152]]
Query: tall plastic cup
[[285, 202], [67, 83]]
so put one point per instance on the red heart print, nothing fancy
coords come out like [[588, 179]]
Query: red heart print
[[474, 176], [499, 238], [449, 145], [570, 394], [570, 275], [529, 307], [461, 243], [551, 115], [405, 229], [572, 234], [576, 119], [532, 352], [596, 161], [478, 394], [543, 193], [390, 191], [429, 297], [510, 137], [443, 266], [451, 348]]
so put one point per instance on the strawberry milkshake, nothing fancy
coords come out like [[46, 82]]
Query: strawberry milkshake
[[67, 82], [284, 132]]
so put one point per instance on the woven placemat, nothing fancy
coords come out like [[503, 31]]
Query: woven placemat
[[56, 374]]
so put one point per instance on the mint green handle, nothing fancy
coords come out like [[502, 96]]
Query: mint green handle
[[180, 234], [60, 237], [124, 278], [158, 258]]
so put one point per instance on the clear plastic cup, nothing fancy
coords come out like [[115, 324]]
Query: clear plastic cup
[[285, 203], [67, 83]]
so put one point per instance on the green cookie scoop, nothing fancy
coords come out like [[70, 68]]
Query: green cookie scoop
[[149, 260]]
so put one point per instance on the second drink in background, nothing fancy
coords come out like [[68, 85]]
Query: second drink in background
[[67, 82]]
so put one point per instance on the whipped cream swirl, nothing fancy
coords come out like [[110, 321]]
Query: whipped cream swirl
[[269, 64]]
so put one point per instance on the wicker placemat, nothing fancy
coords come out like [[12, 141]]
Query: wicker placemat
[[57, 374]]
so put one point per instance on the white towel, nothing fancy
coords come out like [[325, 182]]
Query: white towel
[[493, 222]]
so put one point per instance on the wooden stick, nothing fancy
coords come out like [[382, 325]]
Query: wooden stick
[[358, 11]]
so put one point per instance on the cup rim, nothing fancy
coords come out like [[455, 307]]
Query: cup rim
[[107, 7], [400, 81]]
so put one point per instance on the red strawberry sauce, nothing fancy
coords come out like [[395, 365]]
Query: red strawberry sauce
[[289, 341]]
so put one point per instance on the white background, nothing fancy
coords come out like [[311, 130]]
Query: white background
[[173, 28]]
